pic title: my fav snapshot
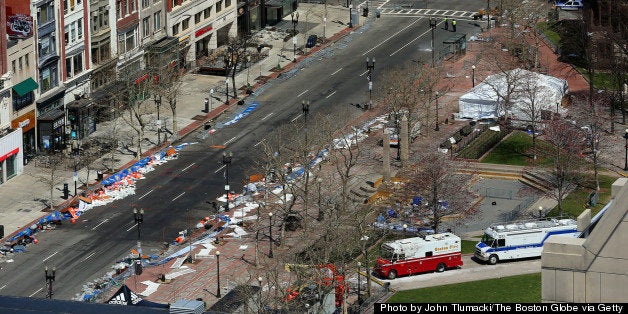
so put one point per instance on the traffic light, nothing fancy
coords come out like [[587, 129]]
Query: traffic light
[[365, 12], [138, 267], [66, 191]]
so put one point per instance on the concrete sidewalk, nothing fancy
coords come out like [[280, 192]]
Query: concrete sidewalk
[[23, 198]]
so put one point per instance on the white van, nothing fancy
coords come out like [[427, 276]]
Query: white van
[[569, 5]]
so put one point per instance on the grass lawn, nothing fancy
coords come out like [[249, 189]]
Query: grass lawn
[[576, 201], [552, 35], [514, 289], [468, 247], [511, 150]]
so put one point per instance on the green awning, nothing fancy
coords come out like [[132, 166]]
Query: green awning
[[25, 86]]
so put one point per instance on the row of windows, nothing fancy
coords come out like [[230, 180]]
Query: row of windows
[[45, 13], [127, 41], [146, 24], [25, 64], [185, 24], [125, 7], [74, 65], [74, 31], [100, 19], [73, 5]]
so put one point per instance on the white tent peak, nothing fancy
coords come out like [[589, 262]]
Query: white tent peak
[[485, 100]]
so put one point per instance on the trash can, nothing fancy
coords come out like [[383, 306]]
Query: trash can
[[99, 175], [1, 231], [311, 41]]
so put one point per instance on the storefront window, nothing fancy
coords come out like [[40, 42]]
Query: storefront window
[[11, 167]]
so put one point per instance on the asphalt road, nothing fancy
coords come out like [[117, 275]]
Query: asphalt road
[[174, 196]]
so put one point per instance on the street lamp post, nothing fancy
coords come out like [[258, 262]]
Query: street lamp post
[[75, 174], [433, 24], [305, 106], [218, 274], [227, 91], [473, 75], [50, 278], [158, 103], [437, 127], [259, 297], [270, 235], [226, 161], [540, 212], [626, 151], [295, 20], [350, 8], [370, 65], [320, 209], [138, 215], [359, 284], [488, 14]]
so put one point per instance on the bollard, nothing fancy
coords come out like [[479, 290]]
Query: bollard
[[66, 191]]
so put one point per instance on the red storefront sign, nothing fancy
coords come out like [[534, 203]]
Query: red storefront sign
[[203, 30], [9, 154]]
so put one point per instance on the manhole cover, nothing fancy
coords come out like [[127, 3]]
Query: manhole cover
[[198, 117]]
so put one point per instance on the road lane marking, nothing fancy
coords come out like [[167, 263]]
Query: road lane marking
[[336, 72], [141, 197], [2, 287], [268, 115], [260, 142], [88, 256], [307, 90], [223, 166], [96, 226], [186, 168], [229, 141], [404, 46], [295, 118], [55, 253], [395, 34], [367, 71], [330, 94], [34, 293], [133, 226], [178, 196]]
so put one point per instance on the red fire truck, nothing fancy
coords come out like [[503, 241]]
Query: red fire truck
[[435, 252]]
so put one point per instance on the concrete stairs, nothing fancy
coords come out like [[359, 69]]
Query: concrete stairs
[[363, 191], [539, 180]]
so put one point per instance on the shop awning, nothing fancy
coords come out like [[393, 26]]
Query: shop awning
[[25, 87]]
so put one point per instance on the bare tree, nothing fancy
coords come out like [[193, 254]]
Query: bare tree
[[433, 174], [236, 54], [136, 109], [51, 174], [166, 84], [565, 143]]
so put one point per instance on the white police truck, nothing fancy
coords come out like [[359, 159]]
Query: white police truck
[[523, 239]]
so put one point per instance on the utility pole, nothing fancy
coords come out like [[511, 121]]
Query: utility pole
[[433, 24]]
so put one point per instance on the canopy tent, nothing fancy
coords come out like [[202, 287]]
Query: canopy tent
[[483, 101], [125, 296]]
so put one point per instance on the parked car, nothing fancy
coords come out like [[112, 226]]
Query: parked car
[[569, 5]]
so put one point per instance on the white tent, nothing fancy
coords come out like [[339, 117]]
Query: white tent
[[485, 100]]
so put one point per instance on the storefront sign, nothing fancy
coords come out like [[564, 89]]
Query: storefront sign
[[25, 121], [203, 30], [58, 123], [9, 154], [20, 26]]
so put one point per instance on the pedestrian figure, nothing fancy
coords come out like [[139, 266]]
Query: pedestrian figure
[[446, 23], [453, 24]]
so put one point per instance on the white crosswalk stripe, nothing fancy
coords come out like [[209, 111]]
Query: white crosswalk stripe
[[427, 12]]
